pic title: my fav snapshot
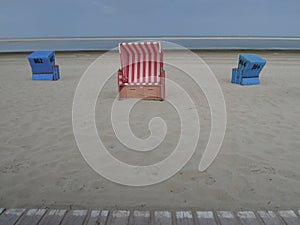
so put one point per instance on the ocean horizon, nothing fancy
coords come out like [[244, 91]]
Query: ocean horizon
[[178, 42]]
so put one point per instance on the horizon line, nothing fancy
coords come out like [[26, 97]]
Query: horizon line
[[148, 38]]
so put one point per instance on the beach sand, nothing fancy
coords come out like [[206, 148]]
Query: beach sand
[[257, 168]]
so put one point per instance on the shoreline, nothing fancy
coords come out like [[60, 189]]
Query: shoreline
[[168, 50], [147, 38], [105, 44]]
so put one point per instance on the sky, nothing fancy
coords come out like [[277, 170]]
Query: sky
[[105, 18]]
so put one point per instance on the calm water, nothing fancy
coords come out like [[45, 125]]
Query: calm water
[[105, 44]]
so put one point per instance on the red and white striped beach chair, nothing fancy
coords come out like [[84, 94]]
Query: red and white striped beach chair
[[141, 74]]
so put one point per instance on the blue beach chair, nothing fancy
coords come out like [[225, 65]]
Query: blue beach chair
[[249, 68], [43, 65]]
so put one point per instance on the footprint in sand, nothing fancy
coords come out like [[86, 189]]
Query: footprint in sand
[[262, 169]]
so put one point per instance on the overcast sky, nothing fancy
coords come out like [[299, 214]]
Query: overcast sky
[[72, 18]]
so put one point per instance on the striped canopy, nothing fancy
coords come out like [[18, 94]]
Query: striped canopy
[[141, 62]]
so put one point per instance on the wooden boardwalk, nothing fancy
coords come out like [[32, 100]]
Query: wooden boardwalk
[[135, 217]]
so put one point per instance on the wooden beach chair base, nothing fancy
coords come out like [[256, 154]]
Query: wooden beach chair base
[[144, 92]]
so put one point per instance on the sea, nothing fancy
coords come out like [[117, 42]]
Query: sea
[[109, 43]]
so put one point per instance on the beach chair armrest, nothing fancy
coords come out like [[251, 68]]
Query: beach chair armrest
[[120, 77], [162, 76]]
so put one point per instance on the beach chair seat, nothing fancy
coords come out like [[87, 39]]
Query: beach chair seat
[[249, 68], [141, 74], [43, 65]]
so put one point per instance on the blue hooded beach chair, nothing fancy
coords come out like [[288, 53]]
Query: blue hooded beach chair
[[249, 68], [43, 65]]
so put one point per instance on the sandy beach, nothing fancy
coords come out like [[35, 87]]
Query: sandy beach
[[257, 168]]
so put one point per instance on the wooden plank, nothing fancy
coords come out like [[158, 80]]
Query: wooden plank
[[95, 214], [248, 218], [269, 218], [103, 217], [119, 217], [32, 217], [162, 218], [206, 218], [141, 218], [227, 218], [11, 216], [289, 217], [53, 217], [98, 217], [75, 217], [184, 218]]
